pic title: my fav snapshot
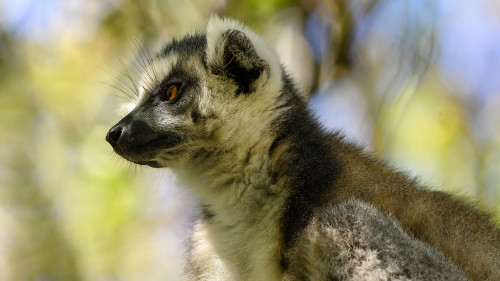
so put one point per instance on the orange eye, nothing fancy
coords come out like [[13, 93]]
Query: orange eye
[[171, 92]]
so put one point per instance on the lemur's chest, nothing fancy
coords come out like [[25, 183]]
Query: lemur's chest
[[248, 251], [244, 207]]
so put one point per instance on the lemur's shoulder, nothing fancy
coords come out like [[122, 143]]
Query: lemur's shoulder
[[355, 241], [448, 223]]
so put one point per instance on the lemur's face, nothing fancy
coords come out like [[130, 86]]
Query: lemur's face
[[203, 93]]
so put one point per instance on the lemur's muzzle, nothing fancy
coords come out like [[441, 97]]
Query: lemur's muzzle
[[137, 142], [131, 134]]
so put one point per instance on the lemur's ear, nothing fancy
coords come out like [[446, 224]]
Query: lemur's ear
[[235, 52]]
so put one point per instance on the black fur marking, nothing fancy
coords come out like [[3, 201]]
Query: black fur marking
[[274, 177], [310, 165], [284, 263], [189, 87], [206, 213], [240, 62], [242, 76], [189, 44], [195, 116], [179, 74]]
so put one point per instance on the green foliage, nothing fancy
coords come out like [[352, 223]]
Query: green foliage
[[71, 210]]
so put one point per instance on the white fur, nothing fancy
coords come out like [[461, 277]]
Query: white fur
[[244, 243], [243, 231], [236, 236], [217, 26], [153, 74], [237, 204]]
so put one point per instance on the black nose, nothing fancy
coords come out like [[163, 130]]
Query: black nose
[[114, 135]]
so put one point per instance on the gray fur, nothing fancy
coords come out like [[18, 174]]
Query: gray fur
[[281, 198], [355, 241]]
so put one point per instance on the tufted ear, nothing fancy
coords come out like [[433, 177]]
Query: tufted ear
[[237, 53]]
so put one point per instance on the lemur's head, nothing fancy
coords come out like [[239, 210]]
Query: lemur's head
[[202, 94]]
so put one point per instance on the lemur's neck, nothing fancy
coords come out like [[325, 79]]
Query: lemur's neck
[[290, 171], [312, 168], [238, 184]]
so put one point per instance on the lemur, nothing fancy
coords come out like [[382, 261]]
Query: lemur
[[281, 198]]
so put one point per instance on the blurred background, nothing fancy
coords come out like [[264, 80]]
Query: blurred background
[[417, 81]]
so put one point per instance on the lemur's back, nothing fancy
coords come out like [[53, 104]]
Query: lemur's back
[[335, 171], [465, 235]]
